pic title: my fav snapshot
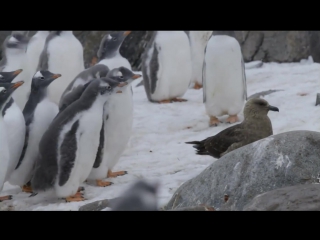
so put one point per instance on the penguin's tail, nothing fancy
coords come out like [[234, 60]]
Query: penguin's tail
[[199, 146]]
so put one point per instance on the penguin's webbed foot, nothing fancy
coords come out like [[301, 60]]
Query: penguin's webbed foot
[[213, 121], [197, 86], [78, 197], [165, 101], [116, 174], [102, 183], [179, 100], [4, 198], [232, 119], [27, 188]]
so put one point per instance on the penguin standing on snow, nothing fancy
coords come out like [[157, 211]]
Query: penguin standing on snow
[[116, 129], [15, 124], [38, 112], [167, 66], [198, 42], [34, 49], [62, 53], [68, 148], [13, 58], [6, 90], [224, 79], [96, 71], [109, 50]]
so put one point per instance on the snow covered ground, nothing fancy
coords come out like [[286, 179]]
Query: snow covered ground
[[157, 150]]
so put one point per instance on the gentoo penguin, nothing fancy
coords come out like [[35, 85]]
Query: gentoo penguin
[[224, 88], [198, 42], [38, 113], [14, 122], [62, 53], [117, 125], [34, 49], [109, 50], [13, 57], [96, 71], [6, 90], [141, 196], [167, 66], [68, 148], [255, 126]]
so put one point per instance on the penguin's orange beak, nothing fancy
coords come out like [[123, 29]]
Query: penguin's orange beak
[[17, 84], [17, 72], [55, 76], [136, 76], [126, 33], [122, 84]]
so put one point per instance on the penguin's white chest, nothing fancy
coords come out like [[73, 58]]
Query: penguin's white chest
[[115, 62], [16, 130], [224, 84], [29, 67], [117, 131], [42, 118], [198, 42], [4, 150], [88, 136], [175, 66], [65, 58]]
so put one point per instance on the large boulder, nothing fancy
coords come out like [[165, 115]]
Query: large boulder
[[294, 198], [231, 182]]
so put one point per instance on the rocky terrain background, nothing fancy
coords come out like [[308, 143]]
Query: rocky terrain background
[[268, 46]]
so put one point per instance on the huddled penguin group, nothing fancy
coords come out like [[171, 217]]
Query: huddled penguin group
[[62, 125]]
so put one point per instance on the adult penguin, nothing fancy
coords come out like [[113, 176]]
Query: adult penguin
[[38, 113], [167, 66], [6, 90], [62, 53], [224, 79], [14, 122]]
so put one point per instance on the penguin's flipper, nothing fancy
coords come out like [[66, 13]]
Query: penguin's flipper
[[68, 153], [155, 67], [99, 155]]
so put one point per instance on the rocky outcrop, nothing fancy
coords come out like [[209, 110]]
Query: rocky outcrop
[[268, 46], [234, 180], [295, 198]]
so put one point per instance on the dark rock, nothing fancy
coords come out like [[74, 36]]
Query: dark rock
[[281, 160], [197, 208], [295, 198], [97, 205]]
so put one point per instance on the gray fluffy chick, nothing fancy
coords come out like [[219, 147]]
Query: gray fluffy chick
[[141, 196]]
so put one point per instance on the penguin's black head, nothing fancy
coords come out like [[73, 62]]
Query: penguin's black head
[[111, 43], [123, 74], [6, 90], [7, 77], [17, 40], [42, 79]]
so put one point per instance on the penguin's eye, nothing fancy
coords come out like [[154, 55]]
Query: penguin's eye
[[3, 91], [109, 87], [114, 39], [121, 77], [41, 78]]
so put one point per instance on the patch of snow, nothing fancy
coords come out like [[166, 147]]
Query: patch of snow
[[157, 150]]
